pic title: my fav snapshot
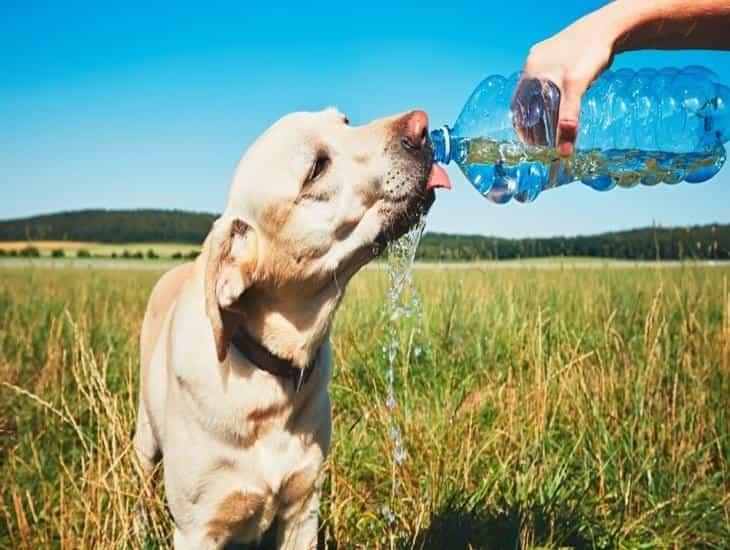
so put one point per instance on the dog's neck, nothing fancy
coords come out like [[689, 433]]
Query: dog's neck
[[288, 326]]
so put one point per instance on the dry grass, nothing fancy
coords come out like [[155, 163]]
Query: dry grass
[[44, 245], [547, 409], [70, 248]]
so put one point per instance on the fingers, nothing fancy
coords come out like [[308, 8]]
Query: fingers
[[527, 108], [569, 117]]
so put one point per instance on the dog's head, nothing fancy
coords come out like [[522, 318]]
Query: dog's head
[[312, 201]]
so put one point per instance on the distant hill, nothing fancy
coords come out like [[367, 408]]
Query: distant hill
[[111, 226], [148, 226]]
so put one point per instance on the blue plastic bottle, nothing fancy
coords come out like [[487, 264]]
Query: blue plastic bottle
[[644, 126]]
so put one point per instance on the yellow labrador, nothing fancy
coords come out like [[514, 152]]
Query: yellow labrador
[[235, 355]]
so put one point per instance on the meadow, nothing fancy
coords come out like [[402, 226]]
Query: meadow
[[541, 408], [72, 249]]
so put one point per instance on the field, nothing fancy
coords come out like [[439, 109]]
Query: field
[[71, 248], [546, 408]]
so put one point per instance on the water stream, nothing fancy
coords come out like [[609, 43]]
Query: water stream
[[402, 303]]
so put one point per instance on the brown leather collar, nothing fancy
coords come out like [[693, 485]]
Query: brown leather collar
[[267, 361]]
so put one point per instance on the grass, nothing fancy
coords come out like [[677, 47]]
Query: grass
[[548, 408]]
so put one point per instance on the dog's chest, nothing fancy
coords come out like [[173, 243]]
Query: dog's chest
[[242, 404], [252, 487], [254, 450], [238, 408]]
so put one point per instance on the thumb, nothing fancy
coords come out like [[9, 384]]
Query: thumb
[[569, 116]]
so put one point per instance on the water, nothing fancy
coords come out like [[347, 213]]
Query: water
[[403, 303], [502, 170]]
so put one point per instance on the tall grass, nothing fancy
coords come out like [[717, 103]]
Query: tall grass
[[548, 408]]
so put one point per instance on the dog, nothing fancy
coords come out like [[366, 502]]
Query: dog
[[235, 353]]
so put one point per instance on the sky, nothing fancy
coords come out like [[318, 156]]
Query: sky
[[151, 104]]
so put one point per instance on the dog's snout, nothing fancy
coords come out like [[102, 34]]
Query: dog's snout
[[415, 130]]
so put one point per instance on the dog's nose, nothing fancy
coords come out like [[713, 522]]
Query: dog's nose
[[415, 132]]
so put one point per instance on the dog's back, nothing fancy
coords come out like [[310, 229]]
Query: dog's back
[[162, 297]]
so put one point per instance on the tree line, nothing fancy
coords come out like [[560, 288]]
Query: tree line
[[142, 226], [651, 243]]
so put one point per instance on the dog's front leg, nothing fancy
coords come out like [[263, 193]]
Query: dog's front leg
[[298, 529]]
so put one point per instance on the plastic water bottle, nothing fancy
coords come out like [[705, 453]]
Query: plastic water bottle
[[644, 126]]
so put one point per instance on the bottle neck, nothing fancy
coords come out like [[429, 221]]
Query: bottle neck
[[441, 141]]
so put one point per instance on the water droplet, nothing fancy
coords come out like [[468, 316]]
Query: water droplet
[[390, 402], [387, 514], [399, 454]]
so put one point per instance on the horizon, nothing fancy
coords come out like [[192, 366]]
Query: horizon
[[427, 231], [131, 107]]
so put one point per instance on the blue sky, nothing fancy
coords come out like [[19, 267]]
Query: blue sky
[[141, 104]]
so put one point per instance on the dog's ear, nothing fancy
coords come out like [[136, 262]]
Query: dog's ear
[[229, 270]]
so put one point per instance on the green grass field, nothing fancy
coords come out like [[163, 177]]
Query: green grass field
[[549, 408]]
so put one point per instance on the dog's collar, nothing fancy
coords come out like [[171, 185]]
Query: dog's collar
[[264, 359]]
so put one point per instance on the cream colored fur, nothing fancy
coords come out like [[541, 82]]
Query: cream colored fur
[[240, 447]]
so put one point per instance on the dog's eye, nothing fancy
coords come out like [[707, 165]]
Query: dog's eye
[[319, 166], [346, 121]]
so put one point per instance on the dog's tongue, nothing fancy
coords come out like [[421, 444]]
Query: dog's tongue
[[438, 178]]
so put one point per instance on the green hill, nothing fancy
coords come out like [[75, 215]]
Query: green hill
[[111, 226], [166, 226]]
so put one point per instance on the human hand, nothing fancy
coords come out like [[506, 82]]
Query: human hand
[[572, 60], [576, 56]]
